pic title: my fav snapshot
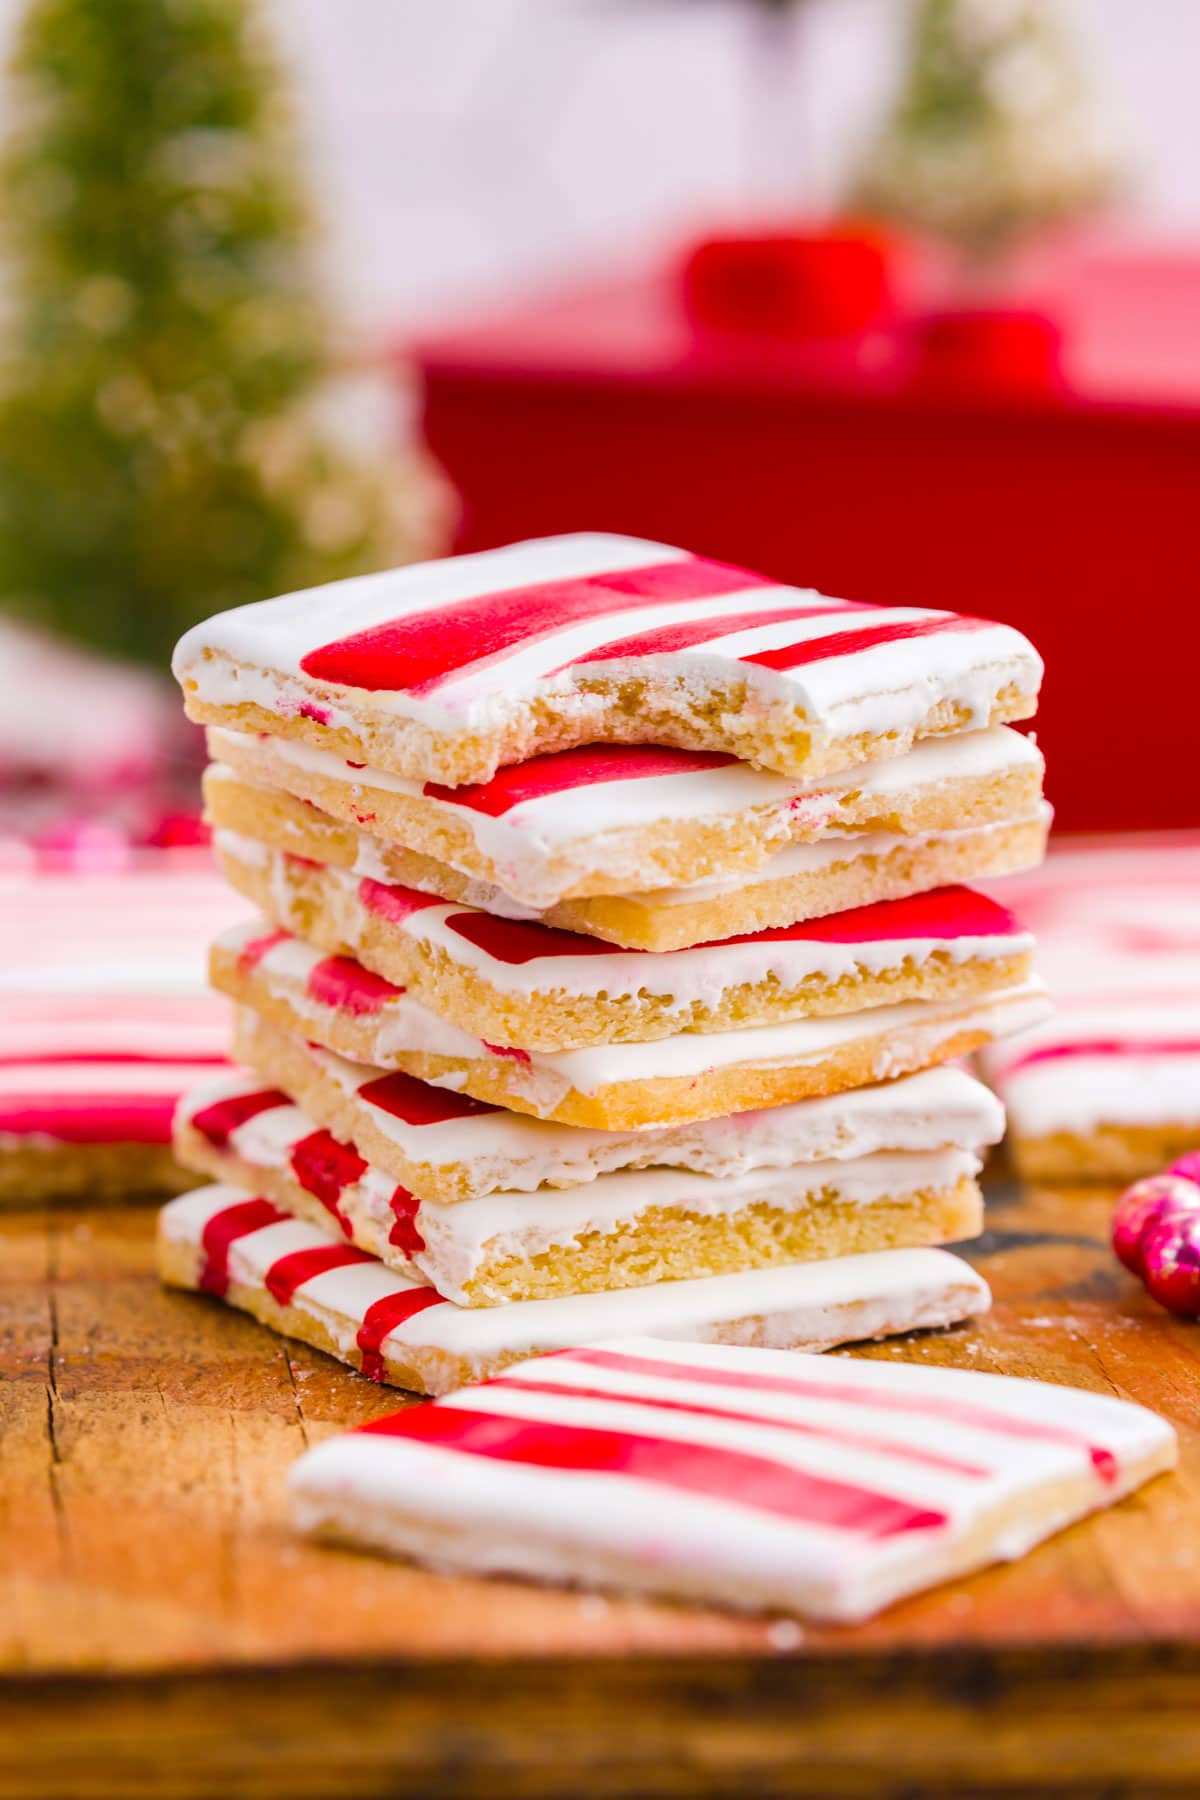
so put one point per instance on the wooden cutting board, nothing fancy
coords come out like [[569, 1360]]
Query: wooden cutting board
[[163, 1633]]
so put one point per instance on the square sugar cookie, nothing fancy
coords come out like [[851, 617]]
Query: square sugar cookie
[[803, 881], [827, 1487], [626, 1228], [292, 1277], [337, 1004], [530, 986], [105, 1019], [446, 671], [445, 1146], [609, 821]]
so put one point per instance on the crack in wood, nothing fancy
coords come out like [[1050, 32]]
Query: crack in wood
[[54, 1468], [302, 1421]]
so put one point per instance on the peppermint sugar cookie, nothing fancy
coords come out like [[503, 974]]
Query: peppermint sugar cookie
[[510, 982], [827, 1487], [336, 1003], [1103, 1091], [445, 1146], [626, 1228], [445, 671], [608, 820], [306, 1285], [804, 881], [104, 1021], [1109, 1089]]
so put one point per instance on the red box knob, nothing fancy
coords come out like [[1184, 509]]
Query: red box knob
[[788, 284]]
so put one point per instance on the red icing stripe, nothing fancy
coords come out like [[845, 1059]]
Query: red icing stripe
[[102, 1118], [404, 1233], [1106, 1047], [849, 643], [325, 1168], [427, 648], [392, 902], [692, 632], [383, 1316], [513, 941], [857, 1440], [929, 1406], [563, 770], [219, 1121], [287, 1273], [721, 1474], [110, 1058], [416, 1103], [253, 951], [224, 1229], [950, 912], [340, 981]]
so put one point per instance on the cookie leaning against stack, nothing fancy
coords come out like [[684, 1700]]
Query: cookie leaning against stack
[[556, 1039]]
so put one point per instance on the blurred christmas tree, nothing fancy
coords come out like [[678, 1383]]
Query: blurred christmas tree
[[992, 136], [162, 453]]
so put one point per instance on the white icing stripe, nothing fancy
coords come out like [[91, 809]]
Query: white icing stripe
[[812, 1305], [825, 1486], [848, 694], [701, 975], [118, 1029], [402, 1026], [1082, 1093], [44, 1081]]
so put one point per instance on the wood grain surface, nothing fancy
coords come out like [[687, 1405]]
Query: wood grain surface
[[162, 1632]]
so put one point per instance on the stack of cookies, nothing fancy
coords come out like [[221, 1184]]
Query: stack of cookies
[[611, 945]]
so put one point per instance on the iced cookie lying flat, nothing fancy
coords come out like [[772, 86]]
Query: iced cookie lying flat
[[1110, 1088], [104, 1021], [296, 1279], [624, 1229], [510, 982], [1104, 1091], [823, 1486], [803, 881], [605, 820], [446, 671], [445, 1146], [335, 1002]]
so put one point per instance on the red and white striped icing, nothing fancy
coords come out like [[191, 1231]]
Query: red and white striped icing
[[559, 819], [809, 1306], [322, 992], [433, 1132], [824, 1485], [527, 960], [1119, 943], [456, 643], [889, 1155], [105, 1015]]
